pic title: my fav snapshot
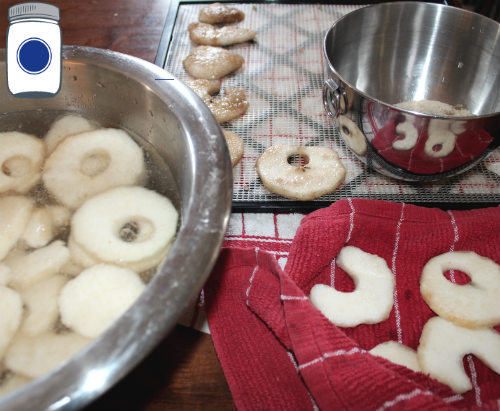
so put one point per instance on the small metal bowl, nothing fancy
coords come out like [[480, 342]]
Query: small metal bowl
[[181, 135], [381, 55]]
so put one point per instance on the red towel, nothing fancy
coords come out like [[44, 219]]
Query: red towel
[[278, 352]]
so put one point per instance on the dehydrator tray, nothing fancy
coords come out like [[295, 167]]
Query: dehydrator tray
[[283, 78]]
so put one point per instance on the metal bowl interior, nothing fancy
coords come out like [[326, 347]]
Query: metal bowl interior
[[180, 132], [405, 51]]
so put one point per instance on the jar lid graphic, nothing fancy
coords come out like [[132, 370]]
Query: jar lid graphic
[[33, 10]]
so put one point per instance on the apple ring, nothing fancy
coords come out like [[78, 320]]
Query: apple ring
[[444, 344], [212, 63], [210, 35], [81, 259], [89, 163], [372, 299], [11, 307], [218, 13], [34, 356], [322, 172], [21, 160], [127, 226], [15, 212], [441, 140], [475, 304], [41, 302], [398, 354], [43, 225], [410, 136], [352, 135], [235, 145], [66, 126], [30, 268], [227, 107], [91, 302]]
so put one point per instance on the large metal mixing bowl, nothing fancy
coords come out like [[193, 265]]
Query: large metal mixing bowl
[[127, 92], [381, 55]]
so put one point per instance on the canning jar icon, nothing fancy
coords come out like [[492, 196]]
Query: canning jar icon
[[34, 50]]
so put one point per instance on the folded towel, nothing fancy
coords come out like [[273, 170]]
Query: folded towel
[[278, 352]]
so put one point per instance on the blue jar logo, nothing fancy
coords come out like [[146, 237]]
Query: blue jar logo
[[34, 55]]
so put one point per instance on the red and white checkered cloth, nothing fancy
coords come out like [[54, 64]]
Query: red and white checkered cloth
[[278, 352], [269, 232]]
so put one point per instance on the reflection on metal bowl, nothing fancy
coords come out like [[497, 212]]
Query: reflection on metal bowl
[[192, 167], [382, 55]]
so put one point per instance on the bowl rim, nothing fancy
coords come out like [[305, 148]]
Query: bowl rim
[[376, 100], [176, 285]]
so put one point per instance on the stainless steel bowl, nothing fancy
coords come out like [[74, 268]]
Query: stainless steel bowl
[[181, 133], [381, 55]]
